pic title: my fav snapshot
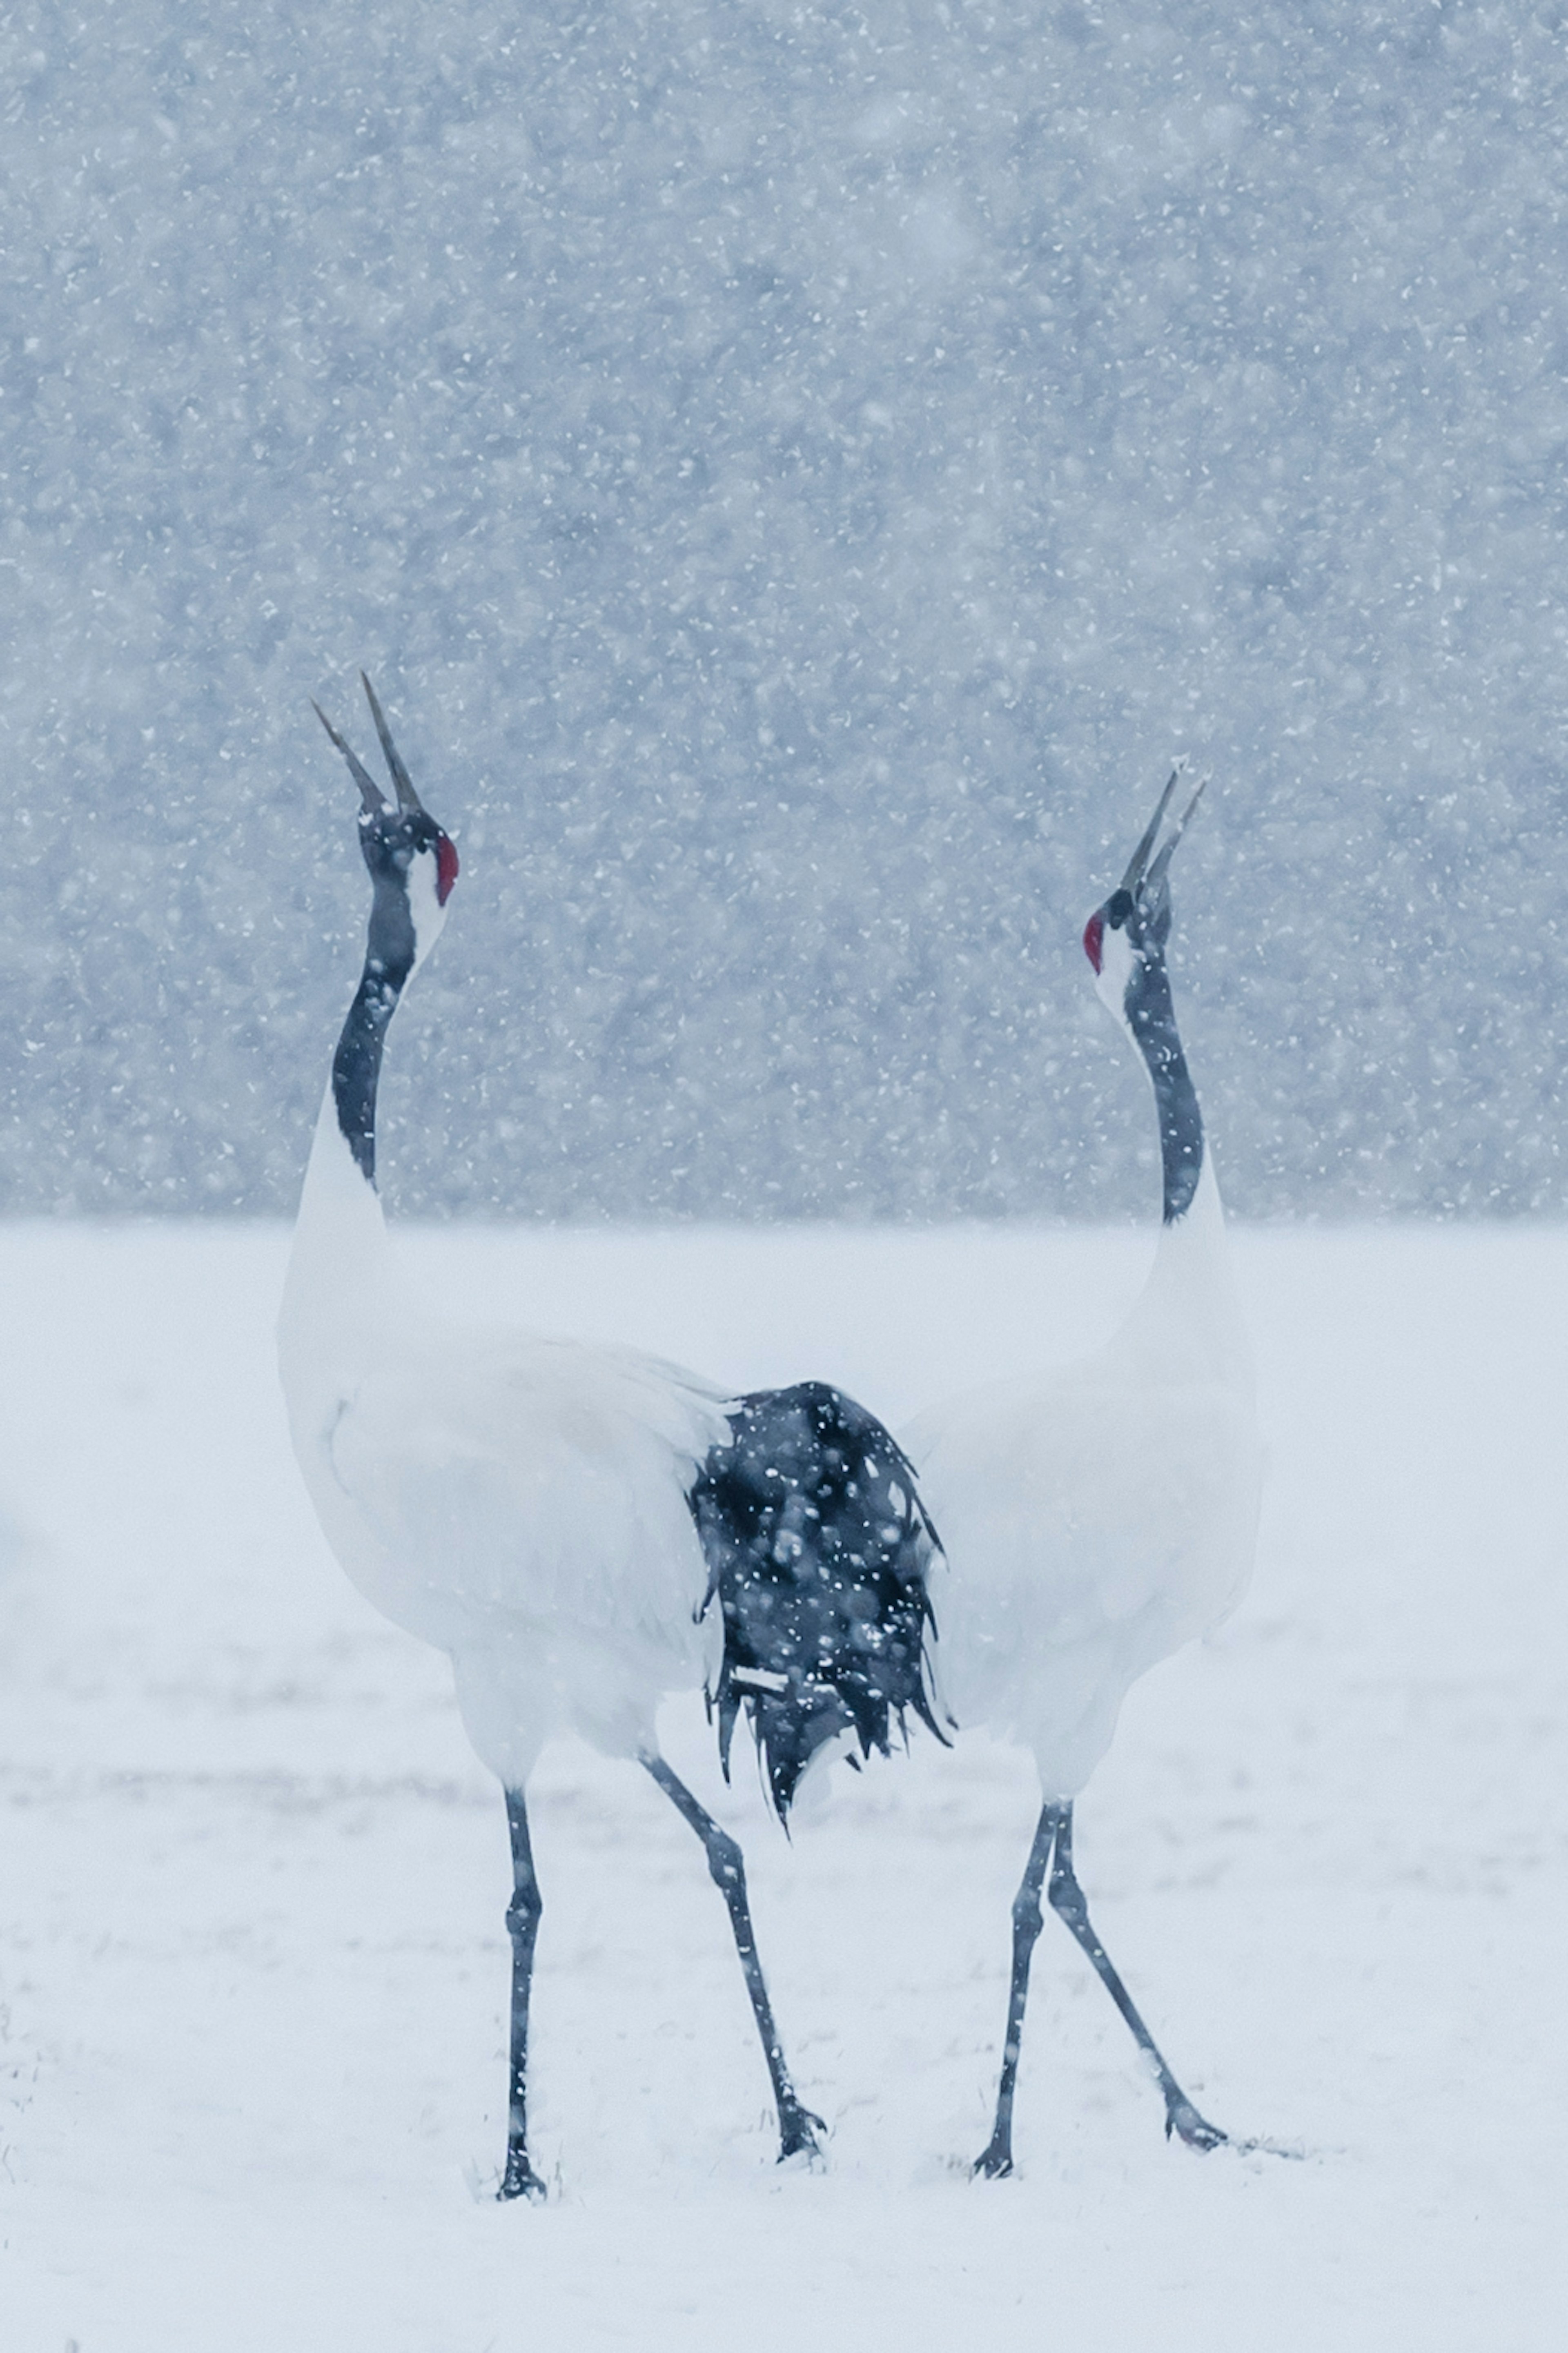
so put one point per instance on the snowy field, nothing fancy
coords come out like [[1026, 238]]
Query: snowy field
[[252, 1960]]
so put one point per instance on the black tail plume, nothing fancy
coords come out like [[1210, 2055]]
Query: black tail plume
[[817, 1548]]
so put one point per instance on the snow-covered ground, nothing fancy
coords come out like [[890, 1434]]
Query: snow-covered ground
[[252, 1960]]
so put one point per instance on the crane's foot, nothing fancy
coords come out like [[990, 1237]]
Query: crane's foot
[[519, 2180], [994, 2164], [798, 2131], [1182, 2119]]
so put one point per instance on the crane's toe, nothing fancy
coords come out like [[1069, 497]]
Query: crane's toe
[[799, 2132], [994, 2164], [519, 2180], [1182, 2119]]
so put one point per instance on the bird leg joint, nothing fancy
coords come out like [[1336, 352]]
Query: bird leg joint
[[524, 1912], [1027, 1918], [1066, 1898], [726, 1863]]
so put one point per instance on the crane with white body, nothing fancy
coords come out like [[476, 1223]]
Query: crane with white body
[[560, 1518], [1096, 1518]]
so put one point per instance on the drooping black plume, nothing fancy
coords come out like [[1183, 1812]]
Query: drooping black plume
[[817, 1548]]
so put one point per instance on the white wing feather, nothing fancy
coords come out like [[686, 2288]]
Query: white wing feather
[[490, 1489], [1092, 1526]]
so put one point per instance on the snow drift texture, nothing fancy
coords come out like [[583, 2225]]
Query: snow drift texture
[[796, 474]]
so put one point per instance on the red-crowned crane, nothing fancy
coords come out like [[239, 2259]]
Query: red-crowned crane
[[559, 1517], [1095, 1519]]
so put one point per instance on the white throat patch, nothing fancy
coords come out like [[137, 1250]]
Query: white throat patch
[[1118, 958], [424, 909]]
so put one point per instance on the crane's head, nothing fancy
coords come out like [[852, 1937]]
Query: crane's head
[[412, 862], [1124, 940]]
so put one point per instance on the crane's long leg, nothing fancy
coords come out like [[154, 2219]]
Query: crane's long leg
[[996, 2159], [798, 2128], [519, 2180], [1067, 1900]]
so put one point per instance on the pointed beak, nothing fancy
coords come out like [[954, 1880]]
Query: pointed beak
[[1141, 876], [407, 798], [1158, 870], [371, 794], [1140, 858]]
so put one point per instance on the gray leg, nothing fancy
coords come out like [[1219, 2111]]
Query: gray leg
[[519, 2180], [1067, 1899], [798, 2128], [996, 2159]]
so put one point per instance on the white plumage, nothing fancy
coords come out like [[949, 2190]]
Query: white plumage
[[1096, 1518], [515, 1499], [529, 1504]]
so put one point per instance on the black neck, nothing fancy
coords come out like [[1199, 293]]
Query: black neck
[[356, 1065], [1153, 1017]]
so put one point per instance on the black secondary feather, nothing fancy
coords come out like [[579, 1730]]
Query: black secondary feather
[[817, 1548]]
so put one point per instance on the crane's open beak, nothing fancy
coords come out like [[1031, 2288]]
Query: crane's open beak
[[1156, 875], [1141, 876], [407, 798], [1140, 858], [371, 794]]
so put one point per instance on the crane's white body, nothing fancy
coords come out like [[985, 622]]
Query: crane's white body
[[1095, 1519], [530, 1504], [517, 1499], [1098, 1517]]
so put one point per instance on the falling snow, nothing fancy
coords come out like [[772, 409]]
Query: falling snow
[[797, 475]]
